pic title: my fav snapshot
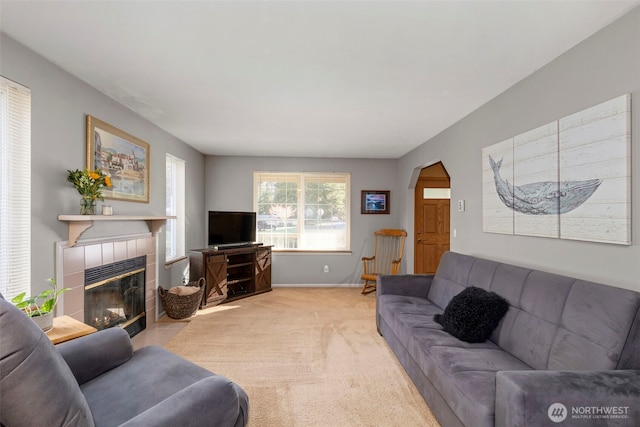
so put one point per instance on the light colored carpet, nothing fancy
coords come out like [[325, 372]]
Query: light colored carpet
[[306, 357]]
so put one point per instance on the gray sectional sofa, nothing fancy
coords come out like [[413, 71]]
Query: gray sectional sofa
[[567, 351]]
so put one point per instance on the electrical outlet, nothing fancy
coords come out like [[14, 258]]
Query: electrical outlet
[[326, 268], [461, 206]]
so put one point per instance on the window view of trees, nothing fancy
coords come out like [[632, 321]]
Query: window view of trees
[[304, 211]]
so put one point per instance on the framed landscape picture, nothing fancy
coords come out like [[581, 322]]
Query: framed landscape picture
[[375, 202], [122, 157]]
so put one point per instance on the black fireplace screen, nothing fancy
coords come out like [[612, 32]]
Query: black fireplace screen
[[114, 295]]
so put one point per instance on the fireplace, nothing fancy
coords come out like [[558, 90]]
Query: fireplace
[[74, 261], [115, 295]]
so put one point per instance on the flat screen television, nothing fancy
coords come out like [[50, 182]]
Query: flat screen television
[[231, 228]]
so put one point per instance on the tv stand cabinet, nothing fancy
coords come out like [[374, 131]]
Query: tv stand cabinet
[[240, 272]]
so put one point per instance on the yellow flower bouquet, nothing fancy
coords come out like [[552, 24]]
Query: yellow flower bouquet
[[89, 184]]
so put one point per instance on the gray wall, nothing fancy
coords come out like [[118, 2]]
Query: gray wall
[[603, 67], [59, 105], [229, 186]]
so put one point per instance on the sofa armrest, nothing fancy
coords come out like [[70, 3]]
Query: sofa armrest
[[526, 398], [212, 401], [415, 285], [95, 354]]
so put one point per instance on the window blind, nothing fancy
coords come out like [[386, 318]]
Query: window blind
[[15, 188], [175, 206]]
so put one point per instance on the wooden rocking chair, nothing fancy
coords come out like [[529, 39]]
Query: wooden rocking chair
[[388, 248]]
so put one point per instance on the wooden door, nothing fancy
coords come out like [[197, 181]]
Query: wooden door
[[432, 226]]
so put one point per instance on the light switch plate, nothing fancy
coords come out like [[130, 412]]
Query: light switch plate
[[460, 205]]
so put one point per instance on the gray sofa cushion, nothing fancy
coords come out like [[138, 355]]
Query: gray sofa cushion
[[465, 377], [403, 312], [110, 348], [165, 374], [30, 358], [213, 402], [523, 398], [594, 327], [554, 322]]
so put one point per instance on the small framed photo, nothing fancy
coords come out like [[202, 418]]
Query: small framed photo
[[122, 157], [375, 202]]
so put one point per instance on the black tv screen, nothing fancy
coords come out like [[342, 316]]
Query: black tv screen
[[231, 227]]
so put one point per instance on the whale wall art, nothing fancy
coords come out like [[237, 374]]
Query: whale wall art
[[569, 179]]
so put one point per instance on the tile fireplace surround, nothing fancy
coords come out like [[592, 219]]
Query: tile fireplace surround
[[73, 261]]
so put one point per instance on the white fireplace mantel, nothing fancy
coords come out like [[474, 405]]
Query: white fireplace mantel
[[78, 224]]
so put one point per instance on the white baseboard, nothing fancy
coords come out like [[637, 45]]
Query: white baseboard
[[316, 285]]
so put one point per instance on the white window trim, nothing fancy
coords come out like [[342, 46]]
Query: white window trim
[[299, 177], [15, 188], [175, 206]]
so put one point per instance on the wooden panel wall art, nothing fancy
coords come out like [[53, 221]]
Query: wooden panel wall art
[[498, 200], [569, 179], [535, 178]]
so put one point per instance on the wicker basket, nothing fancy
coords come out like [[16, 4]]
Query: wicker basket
[[182, 306]]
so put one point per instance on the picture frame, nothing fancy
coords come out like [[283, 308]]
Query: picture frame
[[587, 157], [122, 157], [375, 202]]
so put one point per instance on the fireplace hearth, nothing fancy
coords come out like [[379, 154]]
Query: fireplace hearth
[[114, 295]]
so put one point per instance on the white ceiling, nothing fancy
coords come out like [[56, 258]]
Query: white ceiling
[[367, 79]]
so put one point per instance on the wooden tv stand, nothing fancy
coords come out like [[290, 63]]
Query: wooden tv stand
[[245, 271]]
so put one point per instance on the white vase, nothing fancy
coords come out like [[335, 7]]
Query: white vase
[[45, 322]]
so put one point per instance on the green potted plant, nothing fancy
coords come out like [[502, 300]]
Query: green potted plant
[[40, 307]]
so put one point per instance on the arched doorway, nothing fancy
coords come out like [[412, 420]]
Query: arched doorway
[[432, 212]]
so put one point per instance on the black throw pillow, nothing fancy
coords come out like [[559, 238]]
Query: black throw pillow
[[473, 314]]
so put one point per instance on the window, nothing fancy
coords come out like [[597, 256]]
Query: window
[[15, 189], [175, 207], [436, 193], [303, 211]]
